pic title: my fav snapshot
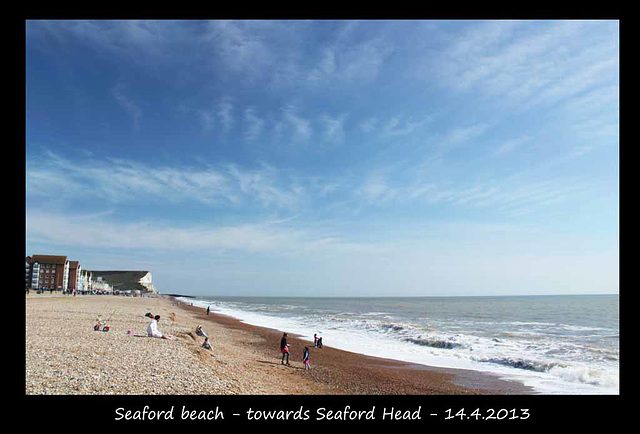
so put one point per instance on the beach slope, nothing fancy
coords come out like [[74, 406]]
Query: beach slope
[[64, 355]]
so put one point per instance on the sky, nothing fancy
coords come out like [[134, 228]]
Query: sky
[[328, 158]]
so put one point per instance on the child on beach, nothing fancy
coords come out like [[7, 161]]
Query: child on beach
[[315, 340], [100, 327], [284, 349], [206, 345], [305, 358]]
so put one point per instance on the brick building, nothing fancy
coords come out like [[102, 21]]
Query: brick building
[[75, 277], [47, 272]]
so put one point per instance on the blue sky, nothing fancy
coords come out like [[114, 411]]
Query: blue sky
[[328, 158]]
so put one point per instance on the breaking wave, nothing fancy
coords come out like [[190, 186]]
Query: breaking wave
[[527, 365], [434, 343]]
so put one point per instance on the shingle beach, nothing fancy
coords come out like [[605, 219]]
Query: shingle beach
[[65, 356]]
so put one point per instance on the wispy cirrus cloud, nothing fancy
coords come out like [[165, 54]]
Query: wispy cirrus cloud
[[411, 184], [241, 45], [120, 180], [524, 64], [334, 127], [276, 237], [131, 107], [509, 146], [393, 126], [293, 125], [274, 52], [254, 125], [207, 119], [350, 62], [220, 113], [378, 187], [137, 40], [224, 111], [92, 230]]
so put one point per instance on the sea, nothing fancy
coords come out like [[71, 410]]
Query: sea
[[555, 344]]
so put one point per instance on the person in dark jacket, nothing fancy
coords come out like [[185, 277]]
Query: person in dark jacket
[[284, 349], [305, 358]]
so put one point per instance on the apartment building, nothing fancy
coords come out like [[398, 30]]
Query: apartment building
[[85, 280], [75, 276], [48, 272]]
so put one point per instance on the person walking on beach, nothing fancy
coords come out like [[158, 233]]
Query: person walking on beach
[[305, 358], [284, 349], [152, 329], [315, 340], [208, 309]]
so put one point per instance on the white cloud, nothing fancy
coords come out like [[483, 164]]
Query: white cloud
[[523, 63], [394, 126], [294, 126], [220, 113], [54, 178], [364, 61], [274, 52], [138, 40], [334, 127], [91, 230], [509, 146], [254, 125], [133, 109], [401, 126], [350, 62], [224, 109], [369, 125], [458, 136], [239, 44], [207, 118], [262, 186], [463, 134], [376, 188]]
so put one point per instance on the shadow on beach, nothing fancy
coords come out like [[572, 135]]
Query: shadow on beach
[[278, 364]]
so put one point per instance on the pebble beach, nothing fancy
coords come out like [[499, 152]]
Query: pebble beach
[[65, 356]]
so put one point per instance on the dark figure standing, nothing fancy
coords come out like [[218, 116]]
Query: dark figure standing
[[284, 349]]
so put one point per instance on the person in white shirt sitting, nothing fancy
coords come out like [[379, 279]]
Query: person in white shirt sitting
[[152, 329]]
